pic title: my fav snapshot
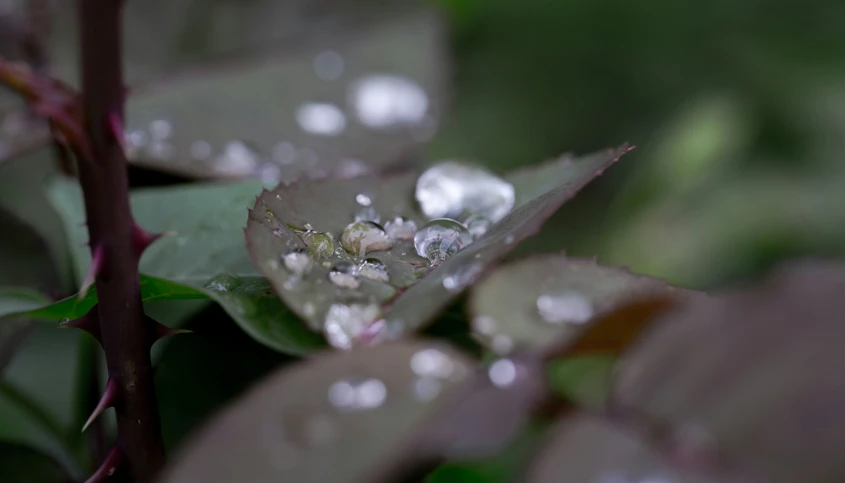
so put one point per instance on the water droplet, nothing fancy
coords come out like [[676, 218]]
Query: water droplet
[[284, 153], [461, 278], [432, 363], [374, 269], [200, 150], [426, 388], [350, 168], [345, 324], [270, 173], [319, 244], [362, 237], [161, 150], [477, 226], [352, 395], [328, 65], [135, 142], [298, 261], [322, 119], [451, 188], [509, 239], [363, 199], [345, 274], [237, 159], [223, 283], [309, 309], [567, 307], [501, 344], [440, 239], [367, 213], [400, 228], [160, 130], [384, 101], [484, 324], [502, 373]]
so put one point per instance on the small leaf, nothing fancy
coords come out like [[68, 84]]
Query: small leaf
[[755, 376], [340, 417], [22, 464], [554, 301], [411, 297]]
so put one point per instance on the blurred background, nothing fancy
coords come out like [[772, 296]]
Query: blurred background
[[737, 110]]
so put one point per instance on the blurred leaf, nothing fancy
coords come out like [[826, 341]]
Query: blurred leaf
[[22, 464], [13, 331], [340, 417], [584, 380], [551, 300], [586, 448], [329, 206], [754, 376], [22, 256]]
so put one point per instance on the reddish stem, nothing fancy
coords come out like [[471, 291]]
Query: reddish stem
[[125, 331]]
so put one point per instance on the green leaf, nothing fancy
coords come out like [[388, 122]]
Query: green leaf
[[339, 417], [506, 307], [756, 375], [584, 380], [13, 330], [205, 258], [22, 464], [413, 295]]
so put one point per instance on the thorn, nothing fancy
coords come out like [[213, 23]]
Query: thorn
[[144, 239], [116, 126], [161, 331], [89, 322], [107, 401], [108, 467], [96, 266]]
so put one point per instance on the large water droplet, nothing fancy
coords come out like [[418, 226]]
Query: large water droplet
[[400, 228], [237, 159], [567, 307], [450, 189], [367, 213], [383, 101], [298, 261], [345, 324], [345, 274], [328, 65], [355, 395], [502, 373], [363, 237], [320, 118], [440, 239], [477, 225], [432, 363], [374, 269], [363, 199], [320, 244]]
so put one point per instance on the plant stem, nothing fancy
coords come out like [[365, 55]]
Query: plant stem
[[125, 332]]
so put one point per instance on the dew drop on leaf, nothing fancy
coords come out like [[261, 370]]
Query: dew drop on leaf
[[567, 307], [362, 237], [321, 119], [432, 363], [297, 261], [440, 239], [502, 373], [451, 188], [363, 199], [385, 101], [374, 269], [320, 244], [223, 283], [464, 276], [400, 228], [357, 395], [477, 225], [345, 274], [237, 159], [328, 65], [345, 324], [367, 213]]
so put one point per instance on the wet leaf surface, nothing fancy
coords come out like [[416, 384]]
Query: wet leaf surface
[[550, 300], [340, 417], [206, 257], [754, 376], [413, 295]]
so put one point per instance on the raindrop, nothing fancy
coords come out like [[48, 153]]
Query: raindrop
[[284, 153], [461, 278], [374, 269], [328, 65], [509, 239], [345, 324], [477, 226], [237, 159], [567, 307], [223, 283], [350, 168], [362, 237], [501, 344], [309, 309], [432, 363], [451, 188], [200, 150], [384, 101], [351, 395], [400, 228], [320, 118], [135, 142], [298, 261], [440, 239], [484, 324], [319, 244], [161, 129], [367, 213], [502, 373], [345, 274], [363, 199]]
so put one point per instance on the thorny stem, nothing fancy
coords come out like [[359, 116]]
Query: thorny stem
[[126, 334]]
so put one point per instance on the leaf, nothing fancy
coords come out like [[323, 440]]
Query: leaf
[[407, 304], [14, 331], [754, 375], [586, 448], [22, 255], [22, 464], [584, 380], [288, 428], [577, 294]]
